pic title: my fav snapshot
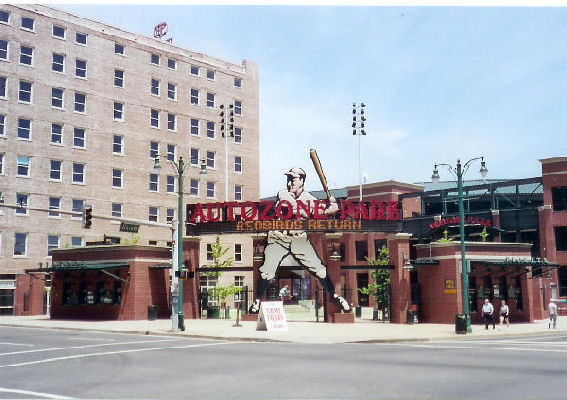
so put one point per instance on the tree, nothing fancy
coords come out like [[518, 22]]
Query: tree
[[380, 289], [218, 252]]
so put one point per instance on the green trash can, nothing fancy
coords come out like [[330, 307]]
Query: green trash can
[[461, 324], [358, 312], [411, 317], [152, 313]]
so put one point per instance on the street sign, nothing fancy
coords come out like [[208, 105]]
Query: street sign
[[126, 227]]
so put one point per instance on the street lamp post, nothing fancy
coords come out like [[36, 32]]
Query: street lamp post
[[460, 171], [358, 122], [179, 167]]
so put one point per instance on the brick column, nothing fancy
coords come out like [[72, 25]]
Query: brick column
[[324, 249], [496, 224], [398, 246], [191, 249]]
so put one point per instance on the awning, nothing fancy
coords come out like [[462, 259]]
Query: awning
[[511, 267], [68, 266]]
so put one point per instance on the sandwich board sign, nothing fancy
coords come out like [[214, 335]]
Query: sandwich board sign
[[271, 317]]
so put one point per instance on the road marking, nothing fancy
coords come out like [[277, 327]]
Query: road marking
[[47, 360], [16, 344], [38, 394], [92, 339]]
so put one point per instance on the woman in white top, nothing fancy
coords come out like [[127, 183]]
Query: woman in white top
[[504, 312]]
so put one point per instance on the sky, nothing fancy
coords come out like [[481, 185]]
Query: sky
[[439, 83]]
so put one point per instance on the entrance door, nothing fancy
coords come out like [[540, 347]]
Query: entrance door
[[362, 282]]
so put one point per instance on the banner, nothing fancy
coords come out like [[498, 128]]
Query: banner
[[271, 317]]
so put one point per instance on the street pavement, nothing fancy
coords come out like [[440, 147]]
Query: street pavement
[[298, 331]]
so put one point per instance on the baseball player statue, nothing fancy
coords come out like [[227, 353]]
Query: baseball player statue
[[295, 242]]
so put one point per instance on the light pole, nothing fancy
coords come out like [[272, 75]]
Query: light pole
[[358, 122], [460, 171], [179, 167]]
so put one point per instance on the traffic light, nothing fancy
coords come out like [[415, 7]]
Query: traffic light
[[87, 217], [231, 120], [222, 123]]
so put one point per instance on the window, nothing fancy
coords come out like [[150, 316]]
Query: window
[[171, 152], [79, 138], [211, 100], [211, 74], [237, 82], [3, 50], [195, 96], [5, 17], [210, 129], [52, 243], [237, 107], [26, 55], [237, 164], [25, 93], [154, 59], [80, 102], [117, 210], [239, 283], [23, 169], [55, 170], [2, 156], [58, 63], [562, 278], [55, 205], [117, 144], [210, 159], [59, 31], [118, 49], [194, 126], [153, 214], [3, 87], [559, 198], [210, 190], [2, 125], [81, 38], [172, 91], [57, 97], [238, 192], [118, 78], [76, 241], [154, 89], [20, 242], [22, 202], [80, 68], [171, 122], [194, 187], [118, 111], [153, 182], [154, 118], [170, 214], [78, 173], [209, 252], [78, 206], [154, 149], [170, 184], [56, 133], [195, 70], [237, 252], [194, 156], [28, 23], [361, 250], [171, 63], [24, 129], [237, 135], [117, 178], [560, 238]]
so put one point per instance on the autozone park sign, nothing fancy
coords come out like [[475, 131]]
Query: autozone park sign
[[267, 215]]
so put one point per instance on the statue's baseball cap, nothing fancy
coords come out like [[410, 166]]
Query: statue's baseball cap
[[296, 172]]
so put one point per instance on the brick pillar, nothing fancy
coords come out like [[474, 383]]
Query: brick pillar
[[496, 224], [324, 249], [546, 235], [398, 246], [191, 307]]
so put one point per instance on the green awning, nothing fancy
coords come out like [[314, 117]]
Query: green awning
[[84, 266]]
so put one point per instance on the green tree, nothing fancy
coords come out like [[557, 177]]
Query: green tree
[[220, 262], [380, 289]]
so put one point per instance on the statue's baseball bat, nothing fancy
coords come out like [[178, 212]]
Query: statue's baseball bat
[[319, 169]]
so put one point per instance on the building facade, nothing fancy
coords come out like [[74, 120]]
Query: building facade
[[85, 108]]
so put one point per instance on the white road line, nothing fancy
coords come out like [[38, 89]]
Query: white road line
[[47, 360], [16, 344], [92, 339], [490, 348], [38, 394]]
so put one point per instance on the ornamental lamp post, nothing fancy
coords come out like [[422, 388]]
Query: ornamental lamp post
[[459, 171], [179, 168]]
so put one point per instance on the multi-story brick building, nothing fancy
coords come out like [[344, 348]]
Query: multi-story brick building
[[84, 109]]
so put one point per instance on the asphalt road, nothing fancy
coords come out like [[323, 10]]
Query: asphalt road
[[58, 364]]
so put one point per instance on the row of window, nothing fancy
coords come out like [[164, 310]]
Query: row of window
[[21, 247], [237, 252], [28, 24]]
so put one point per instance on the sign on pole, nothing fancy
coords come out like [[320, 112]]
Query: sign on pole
[[271, 317], [126, 227]]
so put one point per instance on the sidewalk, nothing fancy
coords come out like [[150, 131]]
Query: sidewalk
[[298, 332]]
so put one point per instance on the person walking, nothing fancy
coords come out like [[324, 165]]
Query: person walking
[[504, 313], [552, 314], [487, 310]]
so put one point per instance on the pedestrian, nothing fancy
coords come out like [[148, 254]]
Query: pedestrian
[[504, 313], [284, 293], [552, 314], [487, 310]]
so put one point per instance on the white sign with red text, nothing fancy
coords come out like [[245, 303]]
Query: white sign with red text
[[271, 317]]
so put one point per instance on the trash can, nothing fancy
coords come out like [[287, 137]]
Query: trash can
[[152, 313], [461, 323], [358, 312], [411, 317]]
